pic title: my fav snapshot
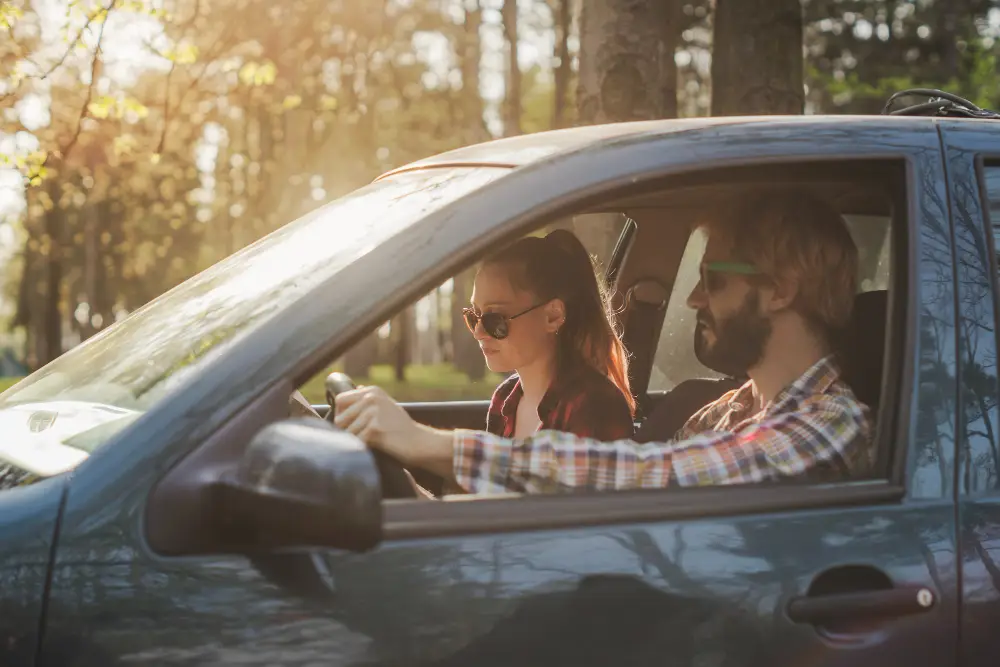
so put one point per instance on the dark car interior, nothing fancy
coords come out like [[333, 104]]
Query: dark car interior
[[646, 271]]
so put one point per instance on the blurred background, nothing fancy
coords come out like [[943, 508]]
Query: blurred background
[[143, 140]]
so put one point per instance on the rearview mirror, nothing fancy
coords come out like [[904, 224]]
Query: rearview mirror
[[301, 483]]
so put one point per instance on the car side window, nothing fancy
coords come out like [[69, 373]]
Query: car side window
[[675, 360], [979, 343], [427, 354], [991, 178]]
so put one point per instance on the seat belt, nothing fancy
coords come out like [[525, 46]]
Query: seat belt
[[646, 303]]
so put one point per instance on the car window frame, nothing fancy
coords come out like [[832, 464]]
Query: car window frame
[[408, 519]]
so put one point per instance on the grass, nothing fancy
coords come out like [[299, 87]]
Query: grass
[[430, 382]]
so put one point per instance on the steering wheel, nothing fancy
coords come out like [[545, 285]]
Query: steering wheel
[[396, 482]]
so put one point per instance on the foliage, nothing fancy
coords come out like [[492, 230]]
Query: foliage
[[859, 52]]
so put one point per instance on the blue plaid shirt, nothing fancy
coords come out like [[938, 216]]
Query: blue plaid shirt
[[815, 423]]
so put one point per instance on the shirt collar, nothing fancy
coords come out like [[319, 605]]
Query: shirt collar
[[816, 380], [565, 381]]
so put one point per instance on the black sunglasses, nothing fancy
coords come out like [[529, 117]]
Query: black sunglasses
[[496, 325]]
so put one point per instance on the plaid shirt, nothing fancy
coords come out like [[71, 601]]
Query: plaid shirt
[[580, 401], [814, 423]]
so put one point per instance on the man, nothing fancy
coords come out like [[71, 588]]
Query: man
[[777, 282]]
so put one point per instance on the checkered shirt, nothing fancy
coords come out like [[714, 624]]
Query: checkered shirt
[[815, 423]]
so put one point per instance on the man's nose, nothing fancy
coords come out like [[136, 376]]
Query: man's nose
[[698, 298]]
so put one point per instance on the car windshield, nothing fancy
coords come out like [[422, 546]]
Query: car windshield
[[54, 417]]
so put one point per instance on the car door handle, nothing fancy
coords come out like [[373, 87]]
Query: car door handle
[[817, 610]]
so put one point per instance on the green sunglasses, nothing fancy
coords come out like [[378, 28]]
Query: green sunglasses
[[712, 273]]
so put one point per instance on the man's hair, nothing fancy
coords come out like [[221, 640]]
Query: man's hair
[[792, 234]]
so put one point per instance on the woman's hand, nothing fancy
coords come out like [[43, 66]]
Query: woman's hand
[[372, 415]]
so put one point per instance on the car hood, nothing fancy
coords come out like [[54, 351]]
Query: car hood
[[50, 437]]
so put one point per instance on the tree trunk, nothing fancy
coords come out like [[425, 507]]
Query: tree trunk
[[757, 61], [627, 68], [512, 118], [403, 323], [474, 127], [563, 67], [360, 358], [52, 316]]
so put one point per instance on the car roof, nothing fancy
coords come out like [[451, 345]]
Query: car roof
[[518, 151]]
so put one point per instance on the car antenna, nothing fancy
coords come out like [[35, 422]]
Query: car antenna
[[939, 103]]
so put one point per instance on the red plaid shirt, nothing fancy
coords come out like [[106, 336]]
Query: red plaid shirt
[[814, 424], [580, 401]]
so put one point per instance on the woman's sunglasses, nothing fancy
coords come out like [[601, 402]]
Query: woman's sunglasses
[[713, 274], [496, 325]]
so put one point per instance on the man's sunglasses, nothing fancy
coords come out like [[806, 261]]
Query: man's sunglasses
[[713, 273], [496, 325]]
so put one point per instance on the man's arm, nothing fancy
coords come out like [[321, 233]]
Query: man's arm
[[826, 430]]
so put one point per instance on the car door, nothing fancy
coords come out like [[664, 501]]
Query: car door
[[860, 572], [973, 163], [29, 515]]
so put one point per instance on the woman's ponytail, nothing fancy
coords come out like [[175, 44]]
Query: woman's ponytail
[[590, 330]]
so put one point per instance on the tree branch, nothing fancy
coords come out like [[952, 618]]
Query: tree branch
[[95, 69], [104, 11]]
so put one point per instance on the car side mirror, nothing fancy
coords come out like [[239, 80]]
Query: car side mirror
[[301, 483]]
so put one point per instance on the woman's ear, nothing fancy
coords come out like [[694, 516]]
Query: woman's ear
[[555, 315]]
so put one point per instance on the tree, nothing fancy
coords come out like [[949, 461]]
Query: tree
[[512, 117], [627, 71], [562, 65], [757, 61], [627, 66], [859, 52]]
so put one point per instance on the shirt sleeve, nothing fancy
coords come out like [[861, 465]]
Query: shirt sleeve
[[827, 431]]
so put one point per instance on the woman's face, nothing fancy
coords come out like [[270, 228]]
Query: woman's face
[[531, 337]]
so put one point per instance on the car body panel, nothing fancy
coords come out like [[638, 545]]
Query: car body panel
[[28, 524], [672, 592], [967, 145]]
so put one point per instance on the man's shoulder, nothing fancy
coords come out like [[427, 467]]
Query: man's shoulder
[[838, 397]]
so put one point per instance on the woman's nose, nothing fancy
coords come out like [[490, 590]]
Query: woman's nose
[[479, 333]]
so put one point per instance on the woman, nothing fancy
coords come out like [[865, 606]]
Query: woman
[[539, 310]]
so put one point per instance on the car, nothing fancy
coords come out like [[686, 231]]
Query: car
[[162, 507]]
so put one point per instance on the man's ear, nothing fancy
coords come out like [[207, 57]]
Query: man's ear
[[555, 315], [783, 291]]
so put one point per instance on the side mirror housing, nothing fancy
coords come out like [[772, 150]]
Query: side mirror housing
[[301, 483]]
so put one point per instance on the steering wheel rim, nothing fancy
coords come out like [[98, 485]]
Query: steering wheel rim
[[396, 481]]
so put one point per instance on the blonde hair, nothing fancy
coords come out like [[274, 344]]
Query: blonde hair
[[793, 235]]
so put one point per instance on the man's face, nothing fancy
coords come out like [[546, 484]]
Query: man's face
[[732, 327]]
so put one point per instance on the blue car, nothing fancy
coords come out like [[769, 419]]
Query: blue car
[[161, 503]]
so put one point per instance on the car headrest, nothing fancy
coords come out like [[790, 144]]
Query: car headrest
[[861, 353]]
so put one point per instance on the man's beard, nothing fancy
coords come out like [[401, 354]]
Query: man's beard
[[739, 339]]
